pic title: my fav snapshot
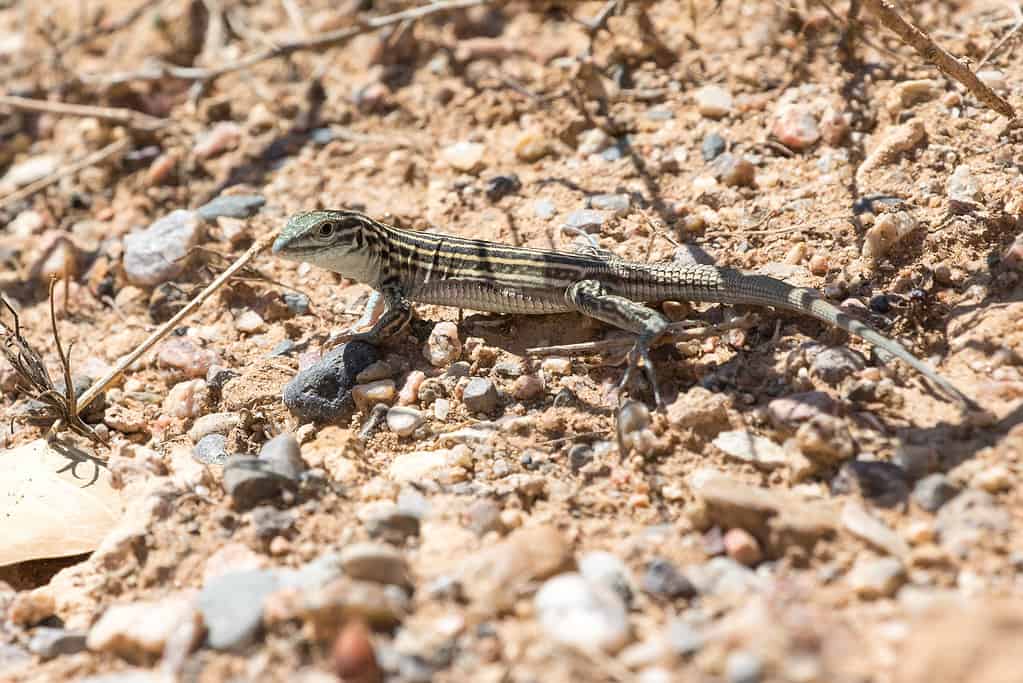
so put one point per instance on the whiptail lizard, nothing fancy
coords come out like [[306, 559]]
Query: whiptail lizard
[[407, 266]]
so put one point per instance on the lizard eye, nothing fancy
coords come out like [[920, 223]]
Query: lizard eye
[[326, 229]]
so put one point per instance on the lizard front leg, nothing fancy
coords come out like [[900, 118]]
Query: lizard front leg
[[591, 298], [396, 316]]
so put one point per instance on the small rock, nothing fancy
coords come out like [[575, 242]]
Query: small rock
[[211, 449], [443, 345], [896, 141], [223, 137], [184, 355], [795, 126], [139, 631], [404, 421], [297, 303], [484, 516], [50, 642], [375, 562], [663, 580], [160, 170], [834, 127], [933, 491], [872, 530], [742, 547], [532, 145], [586, 219], [28, 608], [605, 570], [993, 479], [231, 206], [882, 483], [28, 171], [213, 423], [876, 578], [753, 449], [712, 147], [723, 576], [910, 93], [970, 517], [544, 209], [389, 522], [464, 156], [557, 366], [368, 395], [270, 523], [232, 607], [992, 78], [353, 654], [480, 395], [962, 188], [249, 322], [250, 481], [825, 440], [713, 101], [795, 409], [322, 391], [734, 171], [574, 612], [593, 141], [617, 204], [187, 399], [283, 456], [501, 186], [527, 388], [412, 467], [742, 666], [682, 638], [158, 253], [835, 363]]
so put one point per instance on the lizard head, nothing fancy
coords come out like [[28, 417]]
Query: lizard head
[[325, 238]]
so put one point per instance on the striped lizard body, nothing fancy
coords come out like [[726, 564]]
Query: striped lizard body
[[408, 266]]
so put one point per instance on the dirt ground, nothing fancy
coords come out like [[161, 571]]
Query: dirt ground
[[798, 512]]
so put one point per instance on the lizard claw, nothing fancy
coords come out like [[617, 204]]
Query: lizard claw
[[639, 356]]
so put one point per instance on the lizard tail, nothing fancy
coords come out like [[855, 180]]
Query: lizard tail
[[767, 291]]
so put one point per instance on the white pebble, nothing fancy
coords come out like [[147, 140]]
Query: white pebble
[[249, 322], [464, 156], [443, 346], [557, 366], [887, 231], [403, 421], [409, 393], [713, 101]]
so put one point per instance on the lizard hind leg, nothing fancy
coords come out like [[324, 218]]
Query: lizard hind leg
[[589, 297]]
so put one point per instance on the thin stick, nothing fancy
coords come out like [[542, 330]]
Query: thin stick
[[128, 117], [318, 42], [100, 386], [936, 55], [1009, 34], [676, 332], [90, 160]]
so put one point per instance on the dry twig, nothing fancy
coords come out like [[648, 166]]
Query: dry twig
[[41, 184], [318, 42], [128, 117]]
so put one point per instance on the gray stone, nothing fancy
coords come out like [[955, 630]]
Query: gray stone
[[586, 219], [232, 607], [393, 525], [283, 456], [967, 519], [480, 395], [53, 642], [157, 254], [752, 449], [403, 421], [791, 411], [544, 209], [742, 666], [250, 481], [231, 206], [268, 521], [617, 204], [574, 612], [663, 580], [882, 483], [726, 577], [712, 146], [211, 449], [375, 562], [683, 638], [835, 363], [933, 491], [604, 569], [322, 391], [877, 578], [483, 516], [296, 302]]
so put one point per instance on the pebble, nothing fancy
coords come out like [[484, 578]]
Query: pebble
[[28, 171], [734, 171], [368, 395], [409, 392], [876, 578], [712, 147], [298, 304], [186, 356], [606, 570], [187, 399], [464, 156], [557, 366], [662, 579], [750, 448], [863, 525], [544, 209], [480, 395], [231, 206], [408, 468], [213, 423], [48, 642], [484, 516], [378, 370], [250, 481], [970, 517], [232, 607], [28, 608], [962, 188], [321, 392], [934, 491], [896, 141], [284, 456], [825, 440], [389, 522], [268, 522], [496, 577], [160, 170], [157, 254], [211, 449], [249, 322], [593, 141], [501, 186], [443, 345], [993, 479], [588, 220], [834, 127], [139, 630], [404, 421], [795, 126], [724, 577], [527, 387], [909, 93], [741, 546], [617, 204], [353, 655], [742, 666], [532, 145], [574, 612], [378, 562], [835, 363], [223, 137], [992, 78], [882, 483], [713, 101], [792, 410]]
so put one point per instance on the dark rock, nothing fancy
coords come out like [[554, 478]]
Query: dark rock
[[217, 376], [579, 456], [835, 363], [480, 395], [933, 491], [231, 206], [322, 391], [50, 642], [211, 449], [250, 481], [232, 607], [501, 186], [284, 456], [269, 521], [882, 483], [662, 579]]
